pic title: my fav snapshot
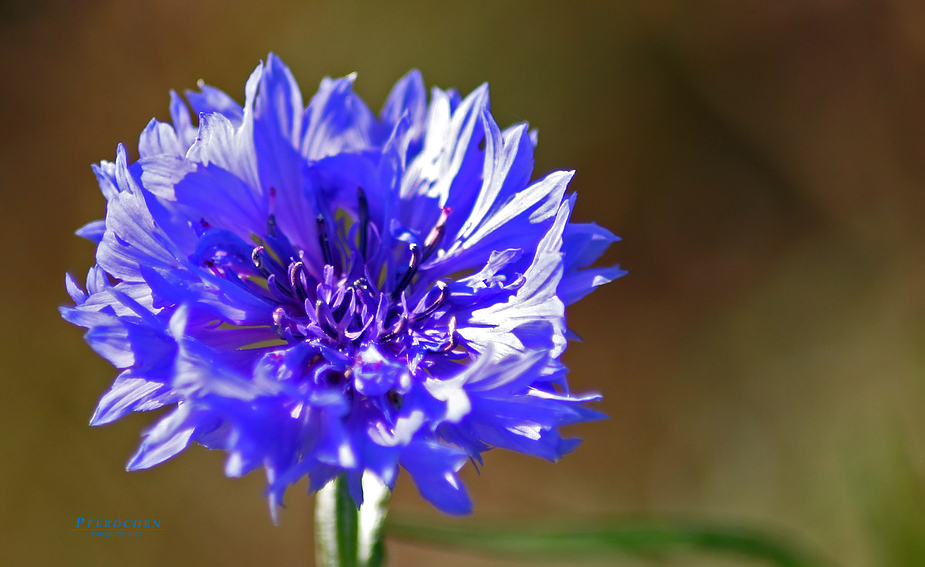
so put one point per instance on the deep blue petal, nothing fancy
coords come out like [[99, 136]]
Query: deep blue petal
[[576, 285], [583, 243], [433, 467]]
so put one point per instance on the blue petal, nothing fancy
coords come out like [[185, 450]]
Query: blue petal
[[520, 222], [97, 280], [583, 243], [182, 123], [277, 135], [506, 169], [433, 467], [106, 178], [355, 486], [211, 99], [407, 99], [132, 238], [159, 139], [221, 298], [336, 121], [128, 394], [278, 106], [200, 370], [231, 149], [374, 374], [92, 231], [335, 446], [576, 285], [535, 303], [73, 289], [224, 248], [138, 340], [223, 200], [168, 437], [448, 166]]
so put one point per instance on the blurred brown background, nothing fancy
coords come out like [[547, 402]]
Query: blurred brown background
[[762, 364]]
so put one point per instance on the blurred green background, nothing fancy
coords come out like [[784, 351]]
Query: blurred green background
[[762, 364]]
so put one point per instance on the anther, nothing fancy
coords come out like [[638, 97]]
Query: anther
[[324, 241], [295, 280], [363, 213], [413, 264], [271, 225], [437, 303], [451, 344], [278, 316], [258, 261], [436, 234]]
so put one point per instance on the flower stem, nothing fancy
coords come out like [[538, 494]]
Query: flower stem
[[344, 535]]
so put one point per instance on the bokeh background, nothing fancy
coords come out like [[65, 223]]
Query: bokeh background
[[763, 364]]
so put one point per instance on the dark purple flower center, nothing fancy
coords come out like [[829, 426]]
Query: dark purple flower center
[[357, 296]]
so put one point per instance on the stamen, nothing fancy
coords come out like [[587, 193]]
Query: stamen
[[436, 234], [324, 241], [278, 288], [363, 213], [295, 280], [437, 303], [256, 256], [278, 315], [413, 264], [346, 313], [396, 330], [323, 321], [271, 225], [452, 342]]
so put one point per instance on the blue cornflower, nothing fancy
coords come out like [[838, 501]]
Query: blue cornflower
[[320, 291]]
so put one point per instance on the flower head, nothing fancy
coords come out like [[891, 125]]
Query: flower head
[[320, 291]]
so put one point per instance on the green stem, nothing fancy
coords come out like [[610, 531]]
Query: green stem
[[601, 539], [344, 535]]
